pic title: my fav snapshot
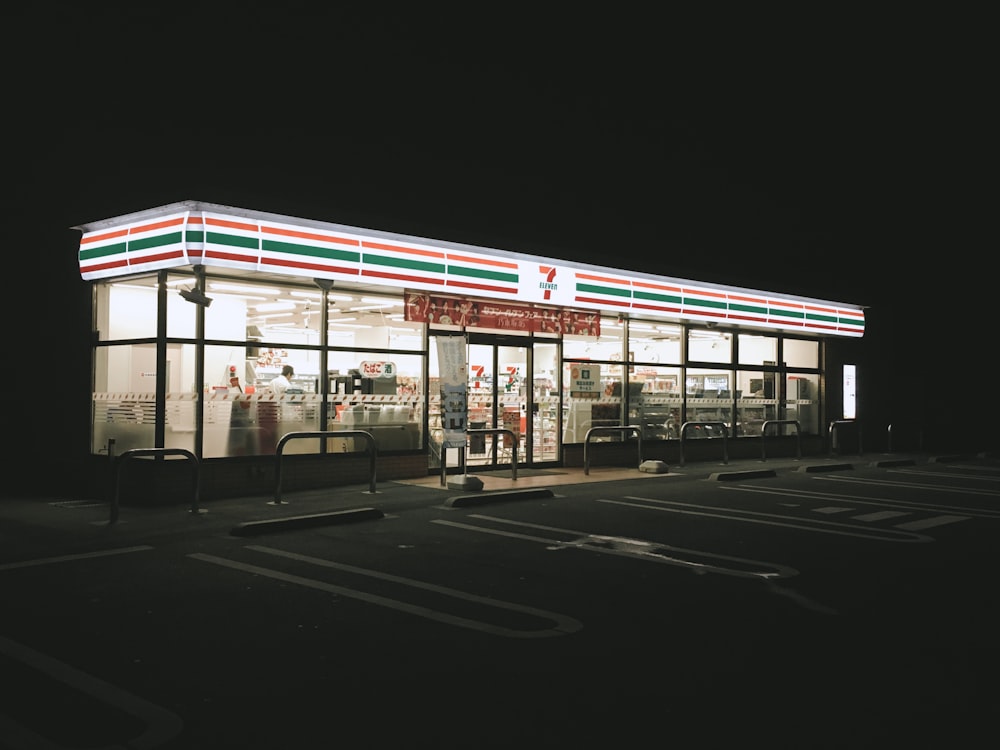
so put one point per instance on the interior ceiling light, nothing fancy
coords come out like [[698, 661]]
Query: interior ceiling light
[[307, 295], [244, 288], [383, 301], [274, 306]]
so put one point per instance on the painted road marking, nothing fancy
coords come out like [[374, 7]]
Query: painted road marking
[[73, 558], [950, 489], [909, 505], [931, 522], [638, 549], [564, 624], [161, 725], [880, 515], [773, 519]]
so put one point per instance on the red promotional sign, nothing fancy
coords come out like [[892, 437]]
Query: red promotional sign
[[508, 316]]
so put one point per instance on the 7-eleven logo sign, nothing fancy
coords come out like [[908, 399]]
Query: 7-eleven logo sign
[[549, 284]]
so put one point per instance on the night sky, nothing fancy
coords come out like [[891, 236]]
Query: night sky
[[834, 157]]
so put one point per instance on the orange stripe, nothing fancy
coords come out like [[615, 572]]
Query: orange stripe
[[106, 236], [741, 298], [703, 293], [483, 261], [231, 224], [157, 225], [195, 220], [307, 235], [605, 279], [832, 310], [407, 250], [650, 285]]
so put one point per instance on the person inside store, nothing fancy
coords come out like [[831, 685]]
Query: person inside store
[[281, 383]]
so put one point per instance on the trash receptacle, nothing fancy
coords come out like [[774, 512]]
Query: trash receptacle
[[477, 443]]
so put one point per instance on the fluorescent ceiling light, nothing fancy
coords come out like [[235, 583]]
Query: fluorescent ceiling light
[[307, 295], [383, 301], [273, 306], [341, 320], [244, 288]]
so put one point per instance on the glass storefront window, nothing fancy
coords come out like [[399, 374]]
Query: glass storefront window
[[592, 397], [655, 401], [126, 309], [709, 399], [707, 345], [756, 350], [801, 353], [653, 342], [609, 345], [756, 401], [802, 402]]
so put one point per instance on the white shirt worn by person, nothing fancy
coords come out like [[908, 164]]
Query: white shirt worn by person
[[279, 385]]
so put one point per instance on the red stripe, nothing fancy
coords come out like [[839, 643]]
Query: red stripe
[[659, 308], [230, 256], [403, 277], [155, 258], [601, 301], [481, 287], [121, 263], [308, 266]]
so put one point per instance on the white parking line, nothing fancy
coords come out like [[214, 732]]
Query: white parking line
[[928, 523], [563, 623], [698, 561], [72, 558], [161, 725]]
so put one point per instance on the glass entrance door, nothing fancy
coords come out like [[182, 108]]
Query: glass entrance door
[[513, 385], [498, 391]]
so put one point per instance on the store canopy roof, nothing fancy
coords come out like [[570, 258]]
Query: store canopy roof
[[192, 233]]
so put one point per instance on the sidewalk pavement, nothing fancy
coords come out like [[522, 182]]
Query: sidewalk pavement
[[29, 527]]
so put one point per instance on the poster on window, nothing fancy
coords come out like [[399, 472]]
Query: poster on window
[[504, 316], [453, 372]]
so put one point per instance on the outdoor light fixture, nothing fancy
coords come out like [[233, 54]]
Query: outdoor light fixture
[[196, 295]]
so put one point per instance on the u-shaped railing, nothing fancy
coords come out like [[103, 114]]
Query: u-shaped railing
[[289, 436], [835, 426], [608, 429], [798, 436], [725, 437], [136, 452]]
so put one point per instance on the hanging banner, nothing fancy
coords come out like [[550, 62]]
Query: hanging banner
[[454, 374], [504, 316]]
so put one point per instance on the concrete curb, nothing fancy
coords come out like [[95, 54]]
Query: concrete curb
[[252, 528], [728, 476], [826, 467], [465, 501], [893, 462]]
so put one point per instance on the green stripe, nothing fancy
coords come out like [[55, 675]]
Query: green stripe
[[698, 302], [610, 291], [788, 313], [656, 297], [195, 235], [411, 265], [824, 318], [102, 252], [158, 240], [479, 273], [232, 240], [351, 256], [748, 308]]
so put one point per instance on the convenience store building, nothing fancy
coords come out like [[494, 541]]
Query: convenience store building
[[198, 306]]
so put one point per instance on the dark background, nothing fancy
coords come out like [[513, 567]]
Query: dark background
[[847, 158]]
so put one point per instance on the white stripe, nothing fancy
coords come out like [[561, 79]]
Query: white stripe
[[930, 522]]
